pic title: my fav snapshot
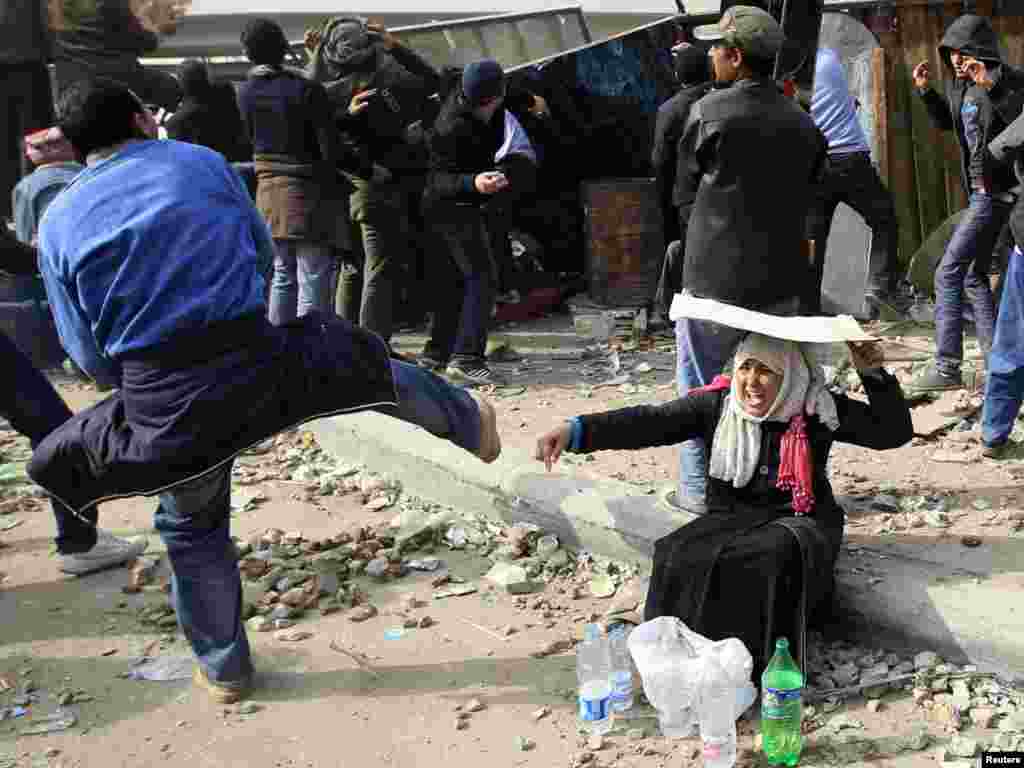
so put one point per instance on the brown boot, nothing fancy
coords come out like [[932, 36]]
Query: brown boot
[[490, 441], [222, 692]]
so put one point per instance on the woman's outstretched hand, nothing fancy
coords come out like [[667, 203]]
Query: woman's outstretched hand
[[866, 355], [551, 445]]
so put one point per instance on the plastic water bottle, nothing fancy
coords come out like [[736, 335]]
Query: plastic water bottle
[[717, 716], [622, 670], [782, 707], [593, 670]]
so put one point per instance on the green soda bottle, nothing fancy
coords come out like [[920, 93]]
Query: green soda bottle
[[782, 687]]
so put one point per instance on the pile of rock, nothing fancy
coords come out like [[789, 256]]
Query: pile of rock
[[957, 697]]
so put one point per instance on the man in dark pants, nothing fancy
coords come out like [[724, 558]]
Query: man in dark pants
[[850, 178], [693, 70], [382, 92], [34, 409], [25, 49], [464, 183], [750, 159], [976, 116], [106, 40]]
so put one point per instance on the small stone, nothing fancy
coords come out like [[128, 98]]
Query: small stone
[[583, 758], [426, 622], [362, 613], [294, 636], [595, 743], [541, 713], [507, 631], [525, 744], [65, 698], [874, 705], [636, 734], [461, 724], [52, 752], [475, 705], [378, 567], [248, 708]]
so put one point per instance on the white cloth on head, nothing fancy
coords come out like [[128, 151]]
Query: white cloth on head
[[736, 447]]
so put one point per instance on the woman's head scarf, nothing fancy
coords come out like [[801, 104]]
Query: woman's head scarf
[[736, 448]]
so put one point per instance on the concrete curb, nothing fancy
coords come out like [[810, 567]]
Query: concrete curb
[[906, 592]]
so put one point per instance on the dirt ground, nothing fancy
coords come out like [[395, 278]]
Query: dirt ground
[[316, 707]]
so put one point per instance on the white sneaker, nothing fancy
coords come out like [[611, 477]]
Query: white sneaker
[[108, 552]]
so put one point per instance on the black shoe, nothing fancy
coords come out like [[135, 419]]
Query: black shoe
[[931, 379], [473, 373]]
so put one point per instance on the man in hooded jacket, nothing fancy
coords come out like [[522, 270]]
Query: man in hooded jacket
[[976, 116], [381, 95]]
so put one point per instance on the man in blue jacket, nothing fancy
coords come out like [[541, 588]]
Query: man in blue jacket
[[150, 263]]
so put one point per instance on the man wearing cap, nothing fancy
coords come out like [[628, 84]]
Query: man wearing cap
[[749, 161], [465, 185]]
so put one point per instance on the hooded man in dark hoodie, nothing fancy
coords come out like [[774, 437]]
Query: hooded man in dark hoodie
[[381, 95], [976, 116]]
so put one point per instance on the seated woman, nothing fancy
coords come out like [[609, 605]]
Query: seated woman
[[761, 560]]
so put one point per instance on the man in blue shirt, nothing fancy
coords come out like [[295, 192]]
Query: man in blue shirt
[[850, 178], [151, 259]]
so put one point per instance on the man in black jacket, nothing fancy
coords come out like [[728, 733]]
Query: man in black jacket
[[34, 409], [392, 86], [465, 183], [976, 116], [749, 161], [25, 49], [106, 39], [693, 71]]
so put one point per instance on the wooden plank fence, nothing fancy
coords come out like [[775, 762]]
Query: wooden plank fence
[[919, 163]]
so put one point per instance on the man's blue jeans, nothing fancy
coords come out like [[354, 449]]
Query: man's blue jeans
[[34, 409], [194, 521], [964, 270], [702, 350], [302, 278], [1004, 389]]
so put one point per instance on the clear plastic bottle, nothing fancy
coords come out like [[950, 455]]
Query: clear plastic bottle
[[716, 712], [593, 670], [621, 670], [782, 707]]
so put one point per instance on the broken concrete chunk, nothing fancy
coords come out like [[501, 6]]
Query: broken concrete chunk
[[513, 578]]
